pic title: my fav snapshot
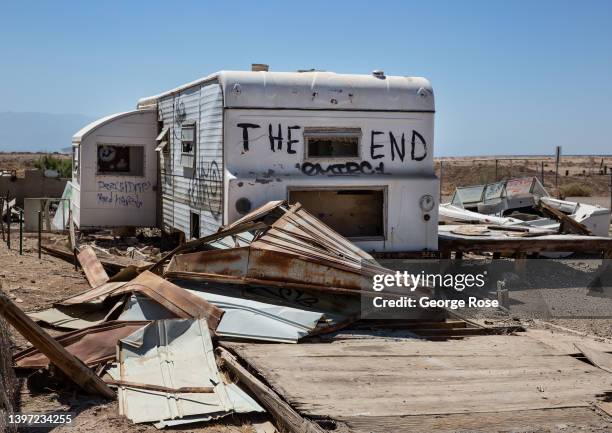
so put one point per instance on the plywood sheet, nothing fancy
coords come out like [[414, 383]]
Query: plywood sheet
[[387, 378]]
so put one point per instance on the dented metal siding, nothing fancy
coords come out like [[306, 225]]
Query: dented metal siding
[[198, 187]]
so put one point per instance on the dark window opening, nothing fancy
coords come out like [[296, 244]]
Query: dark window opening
[[121, 160], [332, 142], [354, 213], [195, 225]]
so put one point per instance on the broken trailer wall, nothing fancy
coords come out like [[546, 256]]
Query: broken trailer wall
[[115, 171], [191, 159]]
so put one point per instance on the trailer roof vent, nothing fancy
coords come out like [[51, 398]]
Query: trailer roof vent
[[259, 67], [378, 73]]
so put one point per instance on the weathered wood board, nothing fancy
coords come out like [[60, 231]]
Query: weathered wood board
[[384, 382]]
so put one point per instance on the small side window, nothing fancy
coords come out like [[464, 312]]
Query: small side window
[[332, 142], [188, 138], [188, 144]]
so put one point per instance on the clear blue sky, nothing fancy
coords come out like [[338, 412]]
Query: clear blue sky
[[510, 77]]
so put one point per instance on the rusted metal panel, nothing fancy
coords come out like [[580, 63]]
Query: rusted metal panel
[[294, 249], [64, 360], [93, 345], [94, 272], [230, 262], [176, 299], [96, 294]]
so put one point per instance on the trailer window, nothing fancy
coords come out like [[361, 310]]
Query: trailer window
[[332, 142], [188, 144], [120, 160], [188, 138]]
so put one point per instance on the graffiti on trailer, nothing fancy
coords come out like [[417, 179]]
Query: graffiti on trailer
[[123, 193], [125, 186], [396, 145], [119, 199], [205, 188], [341, 169]]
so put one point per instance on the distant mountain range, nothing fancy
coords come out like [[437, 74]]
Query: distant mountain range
[[39, 132]]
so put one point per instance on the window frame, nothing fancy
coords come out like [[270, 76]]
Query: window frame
[[322, 131], [187, 125], [141, 173]]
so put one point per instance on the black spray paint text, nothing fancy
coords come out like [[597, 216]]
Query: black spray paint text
[[396, 145]]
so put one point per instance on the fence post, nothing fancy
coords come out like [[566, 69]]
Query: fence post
[[21, 232], [39, 234], [9, 211], [496, 161], [542, 176]]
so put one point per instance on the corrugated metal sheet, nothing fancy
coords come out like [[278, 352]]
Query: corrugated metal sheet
[[173, 354], [296, 250], [243, 318]]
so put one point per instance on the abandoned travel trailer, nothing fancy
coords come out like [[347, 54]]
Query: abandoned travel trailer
[[355, 150]]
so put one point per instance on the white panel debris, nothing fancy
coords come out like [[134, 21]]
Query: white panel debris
[[175, 353]]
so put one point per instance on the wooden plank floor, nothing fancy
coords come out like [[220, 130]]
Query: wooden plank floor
[[390, 383]]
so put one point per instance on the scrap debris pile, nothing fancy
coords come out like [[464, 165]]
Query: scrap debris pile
[[150, 330], [523, 205]]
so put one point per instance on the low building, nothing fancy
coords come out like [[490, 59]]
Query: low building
[[355, 150]]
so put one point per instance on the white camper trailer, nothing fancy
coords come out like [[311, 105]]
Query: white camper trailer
[[114, 171], [355, 150]]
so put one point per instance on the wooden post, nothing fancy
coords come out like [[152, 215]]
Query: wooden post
[[542, 175], [496, 161], [57, 354], [39, 234], [286, 418]]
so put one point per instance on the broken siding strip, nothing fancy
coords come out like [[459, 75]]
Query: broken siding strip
[[94, 272]]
